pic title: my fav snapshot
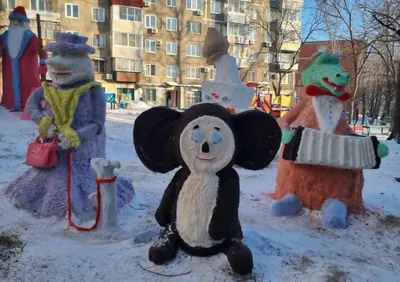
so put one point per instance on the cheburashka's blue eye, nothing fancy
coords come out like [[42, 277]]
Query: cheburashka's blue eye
[[225, 99], [197, 135], [216, 137]]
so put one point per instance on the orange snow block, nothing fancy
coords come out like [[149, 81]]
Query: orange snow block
[[315, 184]]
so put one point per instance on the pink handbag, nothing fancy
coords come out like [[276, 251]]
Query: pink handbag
[[42, 155]]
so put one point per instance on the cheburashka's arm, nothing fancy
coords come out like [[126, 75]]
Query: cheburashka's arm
[[96, 126], [225, 219], [163, 213]]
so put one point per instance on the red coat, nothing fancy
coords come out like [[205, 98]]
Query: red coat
[[26, 67]]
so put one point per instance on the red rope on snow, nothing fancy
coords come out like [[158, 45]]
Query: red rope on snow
[[69, 205]]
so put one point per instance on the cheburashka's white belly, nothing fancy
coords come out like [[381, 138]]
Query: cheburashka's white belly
[[195, 207]]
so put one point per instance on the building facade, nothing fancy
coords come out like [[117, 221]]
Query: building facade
[[152, 49]]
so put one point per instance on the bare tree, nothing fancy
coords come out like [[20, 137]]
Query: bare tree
[[285, 35], [387, 15], [354, 28]]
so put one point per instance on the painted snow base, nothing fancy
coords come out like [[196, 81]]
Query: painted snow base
[[284, 249]]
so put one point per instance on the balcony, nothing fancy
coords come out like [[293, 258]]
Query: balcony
[[127, 65], [242, 63], [44, 16], [233, 17]]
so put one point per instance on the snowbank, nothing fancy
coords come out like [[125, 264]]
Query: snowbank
[[284, 249]]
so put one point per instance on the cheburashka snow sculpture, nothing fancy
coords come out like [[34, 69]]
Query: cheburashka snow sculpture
[[321, 164], [72, 126], [199, 209]]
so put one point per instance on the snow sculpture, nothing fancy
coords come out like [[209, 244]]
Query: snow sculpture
[[108, 193], [75, 113], [227, 89], [19, 48], [322, 160], [199, 209]]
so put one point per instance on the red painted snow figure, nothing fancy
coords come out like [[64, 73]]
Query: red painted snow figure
[[19, 48]]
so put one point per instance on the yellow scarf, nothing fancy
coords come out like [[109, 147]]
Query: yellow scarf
[[63, 104]]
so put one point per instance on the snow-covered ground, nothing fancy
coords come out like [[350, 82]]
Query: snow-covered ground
[[284, 249]]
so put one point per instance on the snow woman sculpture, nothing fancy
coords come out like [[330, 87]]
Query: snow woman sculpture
[[322, 160], [72, 125]]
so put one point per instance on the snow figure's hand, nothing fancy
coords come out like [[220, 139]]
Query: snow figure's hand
[[63, 142], [287, 136], [50, 131], [383, 150]]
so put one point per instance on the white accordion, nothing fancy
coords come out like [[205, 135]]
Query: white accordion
[[314, 147]]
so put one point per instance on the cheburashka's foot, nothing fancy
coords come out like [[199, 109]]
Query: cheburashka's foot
[[165, 248], [287, 206], [334, 214], [240, 258]]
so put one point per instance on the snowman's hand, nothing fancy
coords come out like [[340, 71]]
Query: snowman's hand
[[287, 136], [383, 150]]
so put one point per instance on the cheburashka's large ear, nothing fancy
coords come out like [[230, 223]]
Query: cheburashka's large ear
[[258, 139], [153, 138]]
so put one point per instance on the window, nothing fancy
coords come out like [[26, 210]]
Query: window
[[171, 48], [193, 97], [254, 14], [215, 7], [99, 66], [151, 21], [252, 56], [98, 40], [284, 79], [266, 77], [171, 24], [11, 4], [150, 70], [217, 26], [193, 27], [73, 32], [171, 71], [72, 11], [238, 6], [98, 15], [150, 46], [237, 51], [150, 94], [128, 65], [130, 14], [127, 39], [171, 3], [285, 58], [268, 37], [193, 5], [193, 73], [41, 5], [121, 91], [268, 58], [212, 74], [192, 50], [251, 76]]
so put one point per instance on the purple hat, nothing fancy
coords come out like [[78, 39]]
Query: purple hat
[[69, 42]]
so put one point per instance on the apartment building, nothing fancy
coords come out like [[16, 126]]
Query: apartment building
[[152, 49]]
